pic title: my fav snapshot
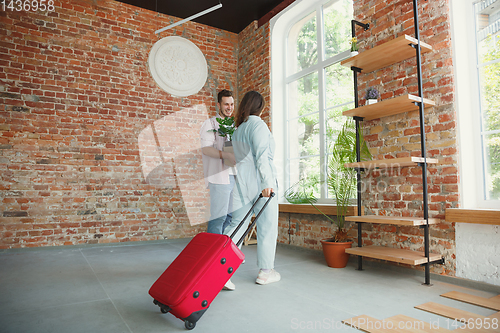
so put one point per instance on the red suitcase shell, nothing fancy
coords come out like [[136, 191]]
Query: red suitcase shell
[[191, 282]]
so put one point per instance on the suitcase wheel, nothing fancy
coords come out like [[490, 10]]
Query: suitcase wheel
[[189, 325], [163, 307]]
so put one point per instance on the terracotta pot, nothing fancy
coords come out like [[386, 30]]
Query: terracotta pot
[[335, 253]]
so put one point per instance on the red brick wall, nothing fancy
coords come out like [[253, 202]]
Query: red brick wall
[[398, 192], [91, 150], [254, 65]]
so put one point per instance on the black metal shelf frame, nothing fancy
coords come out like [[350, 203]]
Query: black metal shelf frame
[[425, 207]]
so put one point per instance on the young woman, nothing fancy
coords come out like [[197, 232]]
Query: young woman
[[253, 146]]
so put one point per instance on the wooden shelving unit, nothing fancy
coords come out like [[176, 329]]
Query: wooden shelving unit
[[394, 51], [388, 107], [309, 209], [391, 163], [395, 255], [397, 220], [389, 53]]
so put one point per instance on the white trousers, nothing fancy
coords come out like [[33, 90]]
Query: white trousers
[[267, 227]]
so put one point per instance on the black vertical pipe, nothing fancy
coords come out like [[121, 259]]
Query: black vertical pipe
[[422, 144], [358, 148], [358, 159]]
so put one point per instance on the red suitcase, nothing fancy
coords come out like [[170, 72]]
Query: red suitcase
[[191, 282]]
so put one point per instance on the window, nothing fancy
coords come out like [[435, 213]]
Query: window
[[312, 88], [476, 29], [487, 30]]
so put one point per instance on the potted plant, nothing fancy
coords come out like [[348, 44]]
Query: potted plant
[[343, 183], [226, 127], [371, 96], [354, 46], [226, 130]]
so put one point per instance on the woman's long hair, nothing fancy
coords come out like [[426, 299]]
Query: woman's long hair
[[252, 104]]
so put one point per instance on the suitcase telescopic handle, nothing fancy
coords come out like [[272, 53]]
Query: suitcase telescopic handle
[[253, 222]]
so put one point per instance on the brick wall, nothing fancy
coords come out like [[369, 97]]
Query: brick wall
[[254, 66], [81, 115], [91, 150], [398, 192]]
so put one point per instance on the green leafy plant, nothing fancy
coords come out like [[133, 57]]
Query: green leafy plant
[[341, 180], [226, 127]]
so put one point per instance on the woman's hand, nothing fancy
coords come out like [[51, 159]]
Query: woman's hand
[[229, 157], [267, 192]]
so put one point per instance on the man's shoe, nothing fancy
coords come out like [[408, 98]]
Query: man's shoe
[[229, 286], [266, 278]]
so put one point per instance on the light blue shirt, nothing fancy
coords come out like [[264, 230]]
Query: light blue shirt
[[254, 147]]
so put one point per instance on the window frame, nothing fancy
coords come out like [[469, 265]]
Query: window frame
[[281, 26], [468, 105]]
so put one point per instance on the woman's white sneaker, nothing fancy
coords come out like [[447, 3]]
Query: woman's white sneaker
[[266, 278]]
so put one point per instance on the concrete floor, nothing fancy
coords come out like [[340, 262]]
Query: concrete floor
[[105, 289]]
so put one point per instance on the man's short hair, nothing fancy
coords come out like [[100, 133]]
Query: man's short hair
[[224, 93]]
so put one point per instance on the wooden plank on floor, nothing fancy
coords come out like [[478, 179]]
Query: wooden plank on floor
[[496, 298], [449, 312], [402, 323], [495, 315], [479, 330], [367, 324], [489, 303], [489, 324]]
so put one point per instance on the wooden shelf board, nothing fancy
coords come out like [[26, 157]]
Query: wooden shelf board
[[309, 209], [398, 220], [395, 255], [388, 107], [391, 162], [479, 216], [386, 54], [489, 303]]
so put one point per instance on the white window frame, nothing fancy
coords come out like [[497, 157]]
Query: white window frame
[[281, 26], [467, 101]]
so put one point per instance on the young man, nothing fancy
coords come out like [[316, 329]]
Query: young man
[[219, 178]]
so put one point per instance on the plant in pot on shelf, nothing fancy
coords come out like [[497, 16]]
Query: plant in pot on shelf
[[354, 46], [343, 183], [226, 129], [371, 96]]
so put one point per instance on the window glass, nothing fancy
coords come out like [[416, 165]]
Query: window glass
[[318, 90], [337, 27], [303, 44], [487, 14]]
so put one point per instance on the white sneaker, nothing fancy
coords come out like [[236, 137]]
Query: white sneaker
[[266, 278], [229, 286]]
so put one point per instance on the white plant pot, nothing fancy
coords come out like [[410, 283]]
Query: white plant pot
[[228, 146], [354, 53], [371, 101]]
